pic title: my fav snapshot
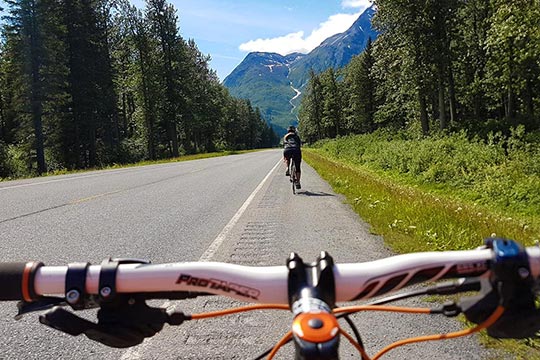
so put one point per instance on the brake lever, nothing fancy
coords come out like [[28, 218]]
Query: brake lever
[[512, 286], [44, 303]]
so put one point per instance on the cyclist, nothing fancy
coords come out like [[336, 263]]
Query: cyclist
[[292, 149]]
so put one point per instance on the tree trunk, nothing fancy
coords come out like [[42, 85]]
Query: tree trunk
[[147, 105], [36, 105], [2, 119], [174, 138], [452, 95], [423, 113], [38, 133], [529, 102], [172, 132], [442, 107], [92, 153], [124, 115], [511, 96], [77, 145], [511, 105], [111, 116]]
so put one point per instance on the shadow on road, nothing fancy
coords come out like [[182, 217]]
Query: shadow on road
[[309, 193]]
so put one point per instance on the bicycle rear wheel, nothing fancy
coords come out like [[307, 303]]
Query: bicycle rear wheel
[[293, 176]]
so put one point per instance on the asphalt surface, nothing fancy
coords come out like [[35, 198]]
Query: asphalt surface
[[175, 212]]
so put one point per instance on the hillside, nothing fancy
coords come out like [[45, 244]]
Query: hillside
[[274, 83]]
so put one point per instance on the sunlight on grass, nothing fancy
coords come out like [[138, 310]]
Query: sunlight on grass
[[413, 219]]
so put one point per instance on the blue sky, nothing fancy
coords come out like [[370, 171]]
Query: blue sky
[[228, 30]]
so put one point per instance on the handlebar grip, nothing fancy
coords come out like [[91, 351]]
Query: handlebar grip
[[17, 281]]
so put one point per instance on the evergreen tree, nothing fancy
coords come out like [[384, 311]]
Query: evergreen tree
[[91, 88], [359, 92], [406, 24], [473, 18], [163, 22], [142, 74], [24, 37], [332, 115], [311, 110], [513, 49]]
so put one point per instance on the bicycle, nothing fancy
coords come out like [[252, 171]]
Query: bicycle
[[292, 175], [503, 273]]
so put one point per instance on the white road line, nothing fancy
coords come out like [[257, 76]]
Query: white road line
[[101, 173], [76, 177], [135, 354], [50, 181], [209, 253]]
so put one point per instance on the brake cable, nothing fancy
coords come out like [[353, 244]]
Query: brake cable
[[353, 328], [356, 344], [487, 323], [347, 319], [284, 340], [238, 310]]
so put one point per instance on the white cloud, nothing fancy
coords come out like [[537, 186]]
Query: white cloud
[[298, 42], [361, 4]]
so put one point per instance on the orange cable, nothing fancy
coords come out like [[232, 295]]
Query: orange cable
[[280, 343], [487, 323], [237, 310], [355, 344], [382, 308]]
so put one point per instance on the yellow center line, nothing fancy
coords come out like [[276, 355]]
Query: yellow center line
[[74, 202], [94, 197]]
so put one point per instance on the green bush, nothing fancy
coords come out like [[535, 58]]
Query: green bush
[[4, 169], [16, 162], [499, 171]]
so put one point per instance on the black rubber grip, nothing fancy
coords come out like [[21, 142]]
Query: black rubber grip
[[11, 275]]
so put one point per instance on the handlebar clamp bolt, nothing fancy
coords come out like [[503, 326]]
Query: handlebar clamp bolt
[[315, 323], [523, 273], [72, 296], [105, 291]]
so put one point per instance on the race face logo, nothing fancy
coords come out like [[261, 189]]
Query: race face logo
[[474, 268], [217, 284]]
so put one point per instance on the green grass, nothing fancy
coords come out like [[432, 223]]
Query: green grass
[[424, 218], [501, 174], [413, 219]]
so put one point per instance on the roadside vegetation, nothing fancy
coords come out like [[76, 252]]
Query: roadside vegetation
[[446, 192], [89, 84], [140, 163], [502, 173], [432, 133], [437, 65]]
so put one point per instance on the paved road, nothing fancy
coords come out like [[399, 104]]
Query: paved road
[[178, 212]]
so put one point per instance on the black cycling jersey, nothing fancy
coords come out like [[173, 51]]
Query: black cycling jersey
[[292, 149], [292, 141]]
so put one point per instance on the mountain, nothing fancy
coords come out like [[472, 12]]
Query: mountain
[[263, 79], [274, 82]]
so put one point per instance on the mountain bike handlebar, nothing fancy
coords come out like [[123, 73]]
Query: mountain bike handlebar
[[264, 285], [503, 271]]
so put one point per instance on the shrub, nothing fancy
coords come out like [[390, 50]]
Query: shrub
[[501, 171]]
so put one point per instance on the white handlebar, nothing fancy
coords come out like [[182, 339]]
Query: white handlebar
[[269, 284]]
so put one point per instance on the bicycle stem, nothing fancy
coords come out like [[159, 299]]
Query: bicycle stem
[[312, 295]]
